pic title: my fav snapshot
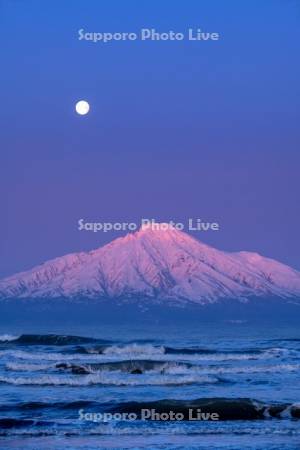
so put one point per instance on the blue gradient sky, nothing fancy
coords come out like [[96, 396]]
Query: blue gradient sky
[[176, 129]]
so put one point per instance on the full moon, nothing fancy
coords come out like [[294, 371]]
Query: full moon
[[82, 107]]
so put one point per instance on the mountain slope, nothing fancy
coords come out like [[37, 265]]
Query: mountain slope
[[156, 264]]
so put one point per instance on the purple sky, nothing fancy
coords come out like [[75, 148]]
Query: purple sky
[[176, 130]]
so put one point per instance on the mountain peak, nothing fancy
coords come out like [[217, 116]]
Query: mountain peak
[[161, 229], [156, 226], [156, 262]]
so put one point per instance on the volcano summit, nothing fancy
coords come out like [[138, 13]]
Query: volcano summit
[[156, 265]]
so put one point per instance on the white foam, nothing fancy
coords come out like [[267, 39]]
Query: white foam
[[8, 337], [134, 349], [234, 370], [108, 379], [28, 367], [40, 356]]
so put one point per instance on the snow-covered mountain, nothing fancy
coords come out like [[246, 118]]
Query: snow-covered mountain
[[156, 264]]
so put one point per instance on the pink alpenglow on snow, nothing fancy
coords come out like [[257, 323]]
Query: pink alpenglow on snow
[[161, 263]]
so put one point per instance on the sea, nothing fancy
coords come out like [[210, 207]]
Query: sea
[[220, 385]]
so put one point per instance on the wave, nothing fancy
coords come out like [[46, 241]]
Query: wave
[[43, 356], [226, 408], [140, 367], [136, 367], [138, 349], [239, 356], [113, 360], [33, 406], [48, 339], [8, 338], [229, 411], [28, 367], [275, 368], [95, 350], [279, 368], [174, 429], [149, 350], [181, 430], [215, 404], [134, 349], [14, 423], [102, 378], [207, 351]]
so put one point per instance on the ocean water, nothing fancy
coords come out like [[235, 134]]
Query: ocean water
[[74, 388]]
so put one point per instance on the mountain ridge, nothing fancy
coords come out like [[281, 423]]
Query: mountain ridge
[[161, 263]]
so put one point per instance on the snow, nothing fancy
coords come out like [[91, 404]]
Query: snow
[[159, 262]]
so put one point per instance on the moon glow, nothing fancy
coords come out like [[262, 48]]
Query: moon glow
[[82, 107]]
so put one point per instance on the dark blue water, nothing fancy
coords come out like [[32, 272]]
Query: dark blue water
[[50, 385]]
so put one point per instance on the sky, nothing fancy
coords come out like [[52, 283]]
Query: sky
[[176, 130]]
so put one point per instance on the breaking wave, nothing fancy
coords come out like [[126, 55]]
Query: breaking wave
[[8, 338], [131, 350], [137, 350], [139, 367], [227, 409], [28, 367], [48, 339], [108, 380]]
